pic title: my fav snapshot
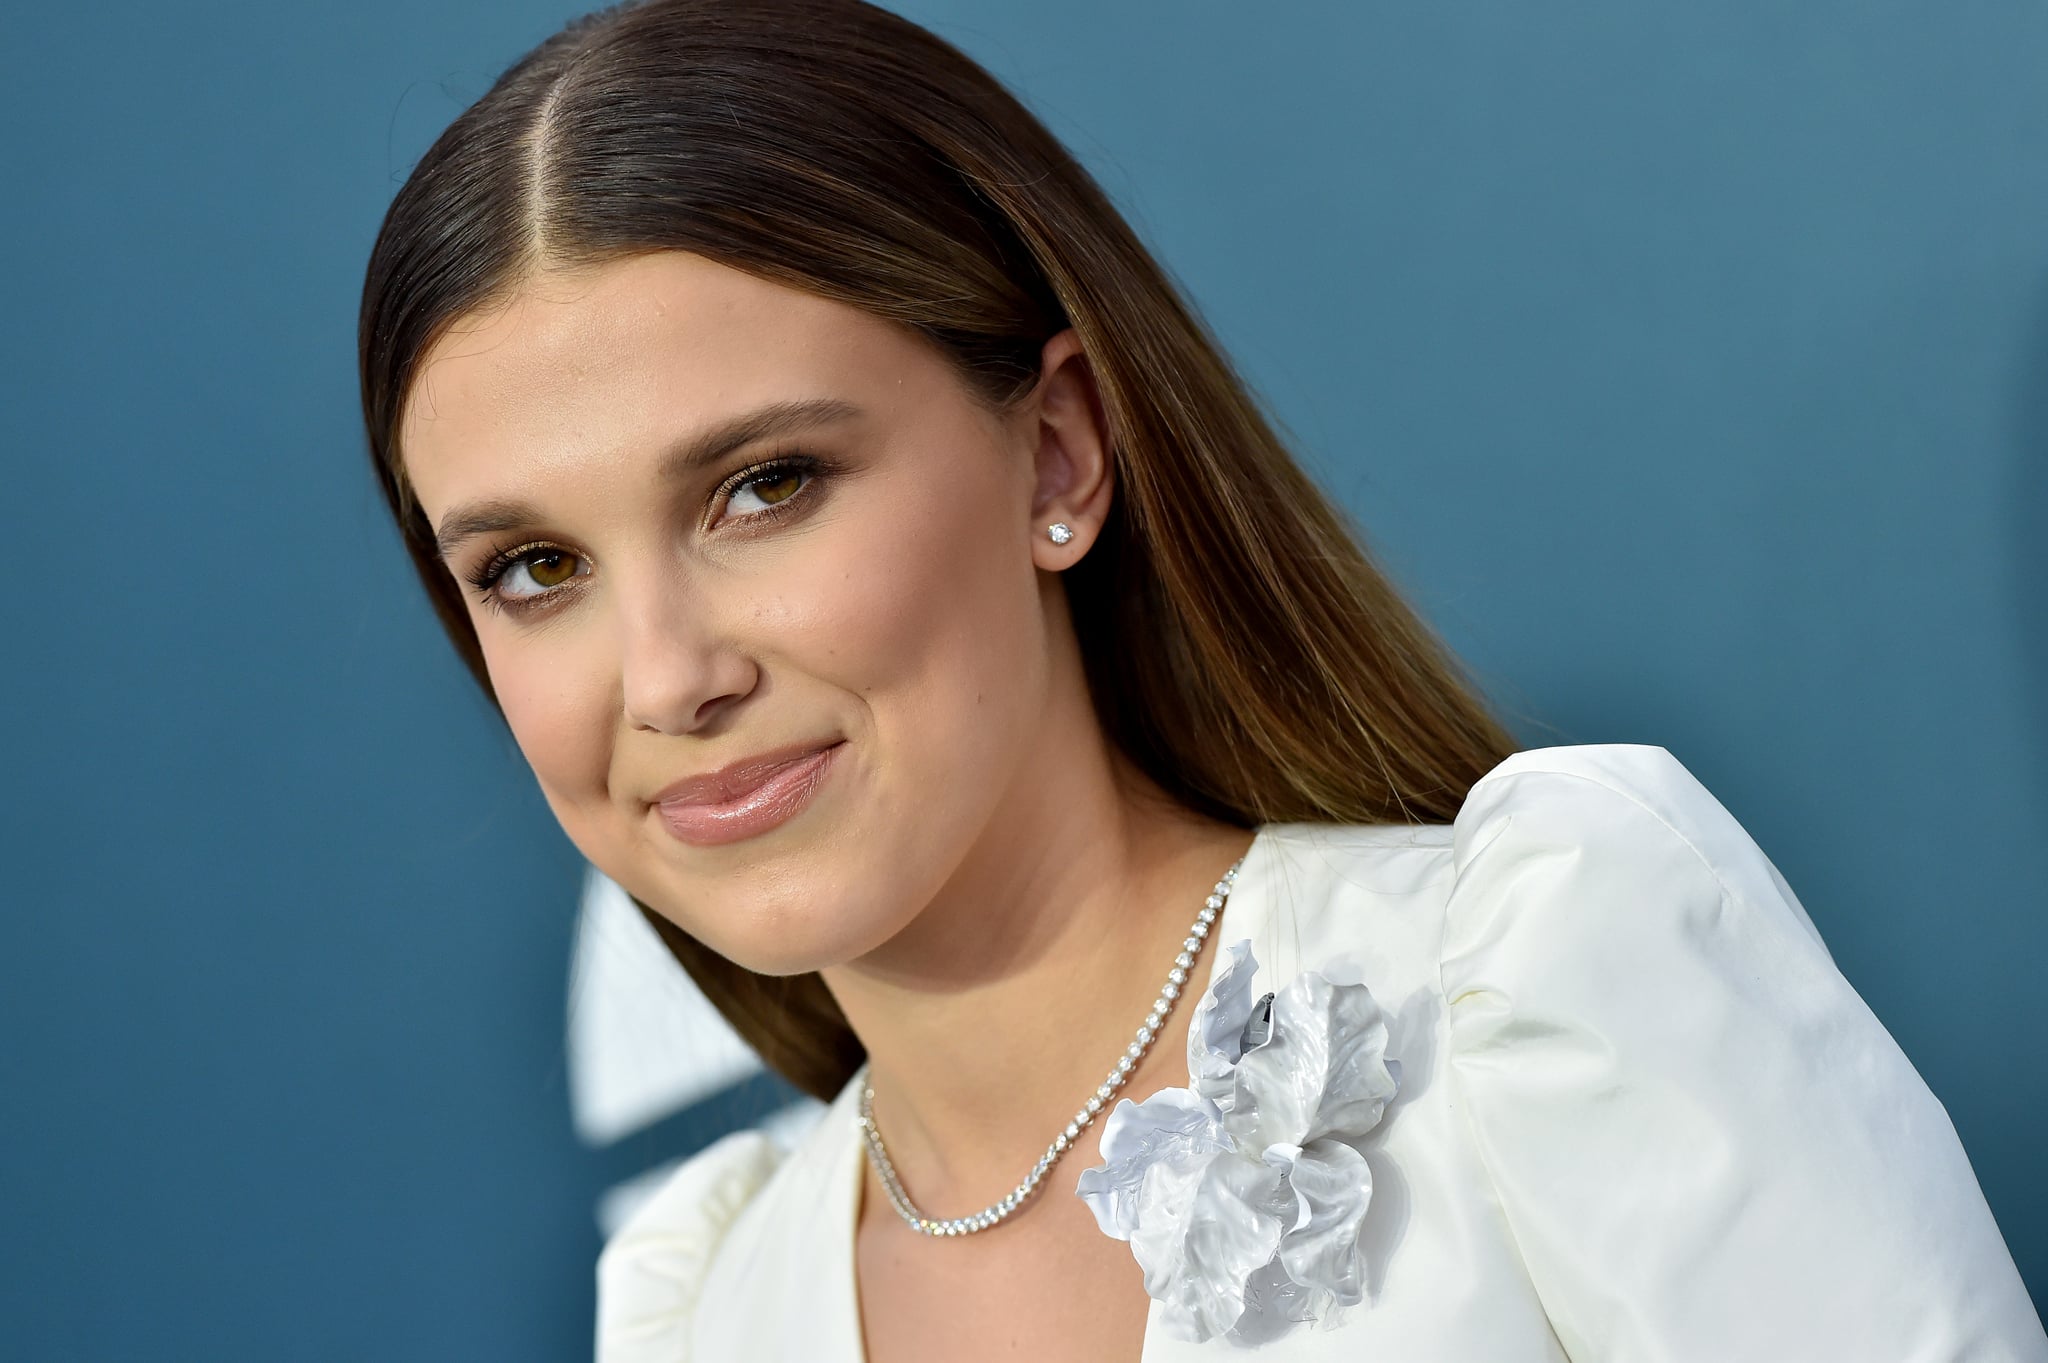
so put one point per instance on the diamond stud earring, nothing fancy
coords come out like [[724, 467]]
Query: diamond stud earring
[[1060, 532]]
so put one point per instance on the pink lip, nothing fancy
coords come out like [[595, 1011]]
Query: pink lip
[[746, 798]]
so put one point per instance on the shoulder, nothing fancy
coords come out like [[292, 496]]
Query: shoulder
[[1586, 836], [651, 1273], [1558, 857], [1678, 1099], [1624, 794], [746, 1251], [1604, 890]]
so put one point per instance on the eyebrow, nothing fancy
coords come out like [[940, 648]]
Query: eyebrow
[[466, 522]]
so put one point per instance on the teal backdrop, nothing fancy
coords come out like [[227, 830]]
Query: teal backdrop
[[1687, 363]]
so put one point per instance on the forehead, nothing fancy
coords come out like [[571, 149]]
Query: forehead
[[601, 360]]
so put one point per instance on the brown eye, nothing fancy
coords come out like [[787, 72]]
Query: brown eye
[[552, 568], [538, 571], [757, 493]]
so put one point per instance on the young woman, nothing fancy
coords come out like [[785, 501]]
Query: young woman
[[891, 585]]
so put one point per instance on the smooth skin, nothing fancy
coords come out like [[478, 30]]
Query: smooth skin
[[991, 892]]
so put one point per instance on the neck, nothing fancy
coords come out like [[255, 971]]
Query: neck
[[994, 1016]]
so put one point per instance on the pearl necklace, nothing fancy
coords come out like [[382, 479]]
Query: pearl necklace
[[997, 1212]]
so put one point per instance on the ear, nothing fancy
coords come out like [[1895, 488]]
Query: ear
[[1075, 472]]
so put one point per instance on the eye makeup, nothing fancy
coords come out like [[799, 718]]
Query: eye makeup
[[536, 561], [805, 468]]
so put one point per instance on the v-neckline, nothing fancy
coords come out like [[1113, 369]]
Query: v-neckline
[[1244, 916]]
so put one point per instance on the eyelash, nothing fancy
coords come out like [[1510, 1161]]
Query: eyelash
[[486, 576]]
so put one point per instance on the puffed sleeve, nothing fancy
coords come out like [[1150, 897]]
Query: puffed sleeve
[[651, 1273], [1705, 1145]]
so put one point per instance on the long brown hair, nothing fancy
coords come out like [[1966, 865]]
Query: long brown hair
[[1240, 647]]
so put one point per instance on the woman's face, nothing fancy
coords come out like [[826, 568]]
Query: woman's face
[[705, 520]]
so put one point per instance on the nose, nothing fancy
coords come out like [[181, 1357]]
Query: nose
[[677, 667]]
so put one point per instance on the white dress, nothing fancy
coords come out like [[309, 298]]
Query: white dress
[[1642, 1117]]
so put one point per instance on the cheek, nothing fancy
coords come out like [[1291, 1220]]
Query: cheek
[[939, 629], [561, 713]]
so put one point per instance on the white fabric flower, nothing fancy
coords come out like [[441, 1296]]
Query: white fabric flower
[[1243, 1196]]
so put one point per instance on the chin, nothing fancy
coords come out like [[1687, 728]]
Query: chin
[[795, 951], [803, 929]]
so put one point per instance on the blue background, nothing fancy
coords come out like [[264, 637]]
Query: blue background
[[1688, 363]]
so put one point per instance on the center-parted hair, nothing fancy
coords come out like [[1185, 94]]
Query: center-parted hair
[[1240, 647]]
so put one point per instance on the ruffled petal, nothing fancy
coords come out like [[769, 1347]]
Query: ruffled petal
[[1216, 1030], [1173, 1126], [1273, 1305], [1322, 1073], [1204, 1230], [1240, 1197], [1333, 1186]]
